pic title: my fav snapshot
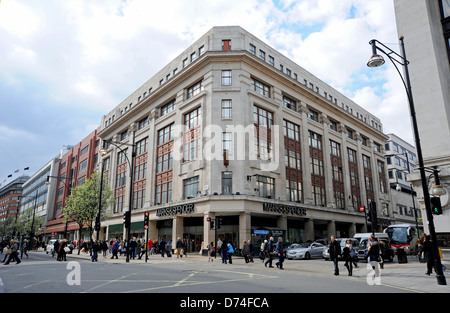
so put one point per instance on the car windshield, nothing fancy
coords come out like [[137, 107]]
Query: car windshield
[[294, 245], [363, 244]]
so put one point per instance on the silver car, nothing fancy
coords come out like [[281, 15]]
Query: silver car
[[306, 251]]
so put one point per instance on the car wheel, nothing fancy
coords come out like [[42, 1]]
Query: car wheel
[[307, 256]]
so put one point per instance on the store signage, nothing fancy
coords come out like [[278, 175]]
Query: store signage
[[284, 209], [176, 209]]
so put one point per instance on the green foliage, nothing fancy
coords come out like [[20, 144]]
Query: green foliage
[[82, 205]]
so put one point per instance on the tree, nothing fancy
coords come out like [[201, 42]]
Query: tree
[[82, 205]]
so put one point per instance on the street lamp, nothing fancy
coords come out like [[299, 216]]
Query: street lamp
[[131, 164], [375, 61]]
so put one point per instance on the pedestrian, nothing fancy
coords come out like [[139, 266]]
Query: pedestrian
[[252, 250], [179, 247], [280, 252], [55, 248], [219, 246], [162, 247], [115, 248], [24, 249], [262, 250], [62, 251], [95, 250], [230, 252], [269, 252], [224, 253], [347, 258], [8, 251], [428, 255], [373, 255], [420, 248], [104, 247], [335, 254], [150, 246], [14, 254], [210, 251], [184, 247], [246, 251], [133, 246]]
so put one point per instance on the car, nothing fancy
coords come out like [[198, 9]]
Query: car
[[342, 242], [49, 247], [306, 251], [388, 254], [292, 246]]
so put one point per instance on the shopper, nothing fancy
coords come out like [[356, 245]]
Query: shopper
[[335, 254]]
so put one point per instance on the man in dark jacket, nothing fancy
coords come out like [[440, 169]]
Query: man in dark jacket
[[373, 255], [280, 253], [335, 254], [269, 250]]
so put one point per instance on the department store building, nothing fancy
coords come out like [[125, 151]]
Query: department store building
[[231, 128]]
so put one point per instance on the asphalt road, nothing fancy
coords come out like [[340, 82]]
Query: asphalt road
[[42, 274]]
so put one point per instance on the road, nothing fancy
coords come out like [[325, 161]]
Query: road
[[43, 274]]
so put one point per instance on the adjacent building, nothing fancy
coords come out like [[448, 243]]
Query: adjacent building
[[232, 129], [10, 197], [425, 26]]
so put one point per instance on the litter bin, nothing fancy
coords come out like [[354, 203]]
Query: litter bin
[[401, 256]]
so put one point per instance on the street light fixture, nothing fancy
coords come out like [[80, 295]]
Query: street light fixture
[[376, 61]]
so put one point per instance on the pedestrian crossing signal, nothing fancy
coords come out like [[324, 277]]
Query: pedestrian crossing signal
[[436, 207]]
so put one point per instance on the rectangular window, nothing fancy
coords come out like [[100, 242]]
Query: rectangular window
[[118, 207], [294, 191], [271, 60], [195, 89], [265, 186], [263, 121], [313, 115], [227, 183], [84, 150], [138, 199], [252, 49], [262, 55], [261, 88], [142, 146], [82, 167], [289, 103], [227, 141], [121, 157], [165, 134], [226, 45], [315, 140], [192, 135], [190, 187], [291, 130], [169, 107], [163, 193], [226, 78], [143, 123], [226, 109]]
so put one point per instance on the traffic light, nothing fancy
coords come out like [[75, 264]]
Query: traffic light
[[146, 219], [211, 222], [97, 224], [127, 218], [436, 207], [219, 222]]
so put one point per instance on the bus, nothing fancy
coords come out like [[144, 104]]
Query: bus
[[402, 236]]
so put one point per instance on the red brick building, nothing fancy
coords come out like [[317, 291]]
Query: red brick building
[[75, 167]]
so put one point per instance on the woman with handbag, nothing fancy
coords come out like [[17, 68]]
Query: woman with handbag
[[347, 257]]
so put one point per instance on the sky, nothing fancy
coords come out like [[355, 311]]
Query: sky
[[65, 64]]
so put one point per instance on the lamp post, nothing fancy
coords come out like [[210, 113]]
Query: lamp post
[[130, 203], [375, 61]]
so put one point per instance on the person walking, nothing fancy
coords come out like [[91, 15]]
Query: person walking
[[373, 255], [262, 250], [428, 255], [24, 249], [150, 246], [115, 249], [184, 247], [335, 254], [269, 252], [252, 250], [230, 252], [162, 247], [280, 252], [95, 250], [224, 253], [246, 251], [347, 257], [420, 248], [179, 247], [211, 252], [14, 254], [55, 248]]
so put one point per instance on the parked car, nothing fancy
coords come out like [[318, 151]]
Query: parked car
[[342, 242], [306, 251], [388, 254], [49, 247], [292, 246]]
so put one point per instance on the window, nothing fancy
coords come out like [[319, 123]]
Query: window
[[265, 186], [226, 78], [193, 56], [227, 183], [271, 60], [292, 159], [315, 140], [333, 125], [118, 207], [262, 117], [140, 171], [313, 115], [163, 193], [227, 141], [318, 193], [226, 109], [169, 107], [84, 150], [252, 49], [226, 45], [294, 191], [185, 62], [335, 148], [260, 88], [138, 199], [262, 55], [82, 167], [143, 123], [121, 179], [195, 89], [263, 121], [190, 187], [289, 103], [201, 50], [165, 134], [291, 130], [124, 135], [141, 146], [192, 135], [121, 157]]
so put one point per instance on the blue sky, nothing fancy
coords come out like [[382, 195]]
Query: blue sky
[[63, 64]]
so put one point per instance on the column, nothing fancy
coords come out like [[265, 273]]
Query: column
[[177, 229], [245, 231], [309, 229]]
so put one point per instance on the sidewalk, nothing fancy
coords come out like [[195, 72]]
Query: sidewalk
[[408, 276]]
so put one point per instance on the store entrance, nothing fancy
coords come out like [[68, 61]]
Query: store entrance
[[193, 233]]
